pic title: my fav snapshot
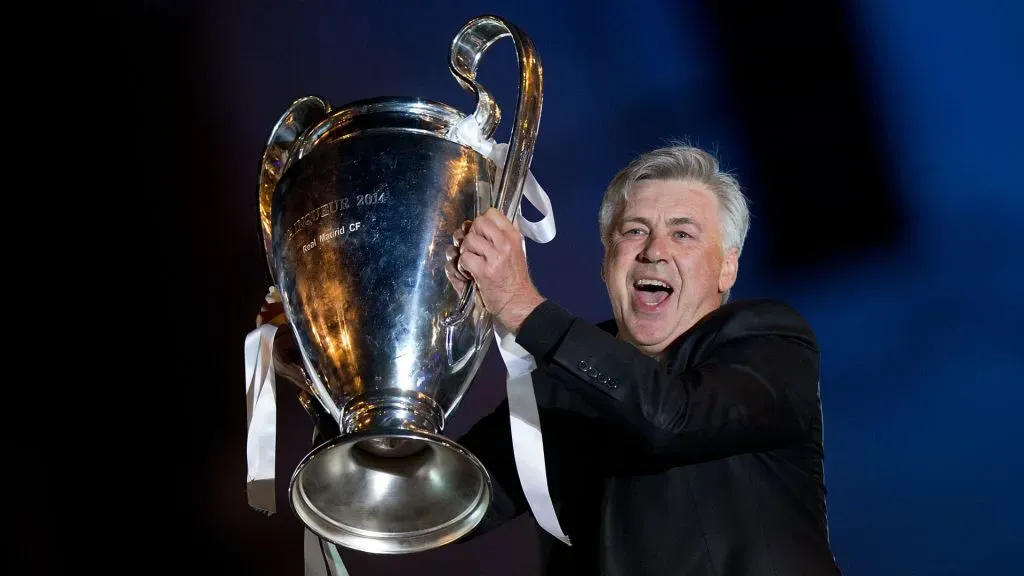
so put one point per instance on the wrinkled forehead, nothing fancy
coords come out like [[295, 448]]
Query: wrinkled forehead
[[670, 201]]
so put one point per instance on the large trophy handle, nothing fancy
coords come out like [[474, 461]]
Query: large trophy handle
[[293, 124], [475, 37], [297, 118]]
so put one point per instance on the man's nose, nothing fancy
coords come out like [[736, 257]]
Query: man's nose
[[655, 249]]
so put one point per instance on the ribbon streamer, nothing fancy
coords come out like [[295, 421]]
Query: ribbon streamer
[[527, 437], [261, 410]]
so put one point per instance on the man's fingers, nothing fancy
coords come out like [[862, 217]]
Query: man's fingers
[[487, 227], [490, 235], [494, 226], [460, 233], [475, 243], [468, 262], [499, 220], [454, 272]]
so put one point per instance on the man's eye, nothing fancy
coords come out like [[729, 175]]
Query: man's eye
[[634, 231], [681, 234]]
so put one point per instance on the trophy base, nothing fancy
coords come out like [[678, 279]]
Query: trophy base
[[357, 492]]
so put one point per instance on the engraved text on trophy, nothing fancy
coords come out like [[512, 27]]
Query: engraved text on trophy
[[341, 226]]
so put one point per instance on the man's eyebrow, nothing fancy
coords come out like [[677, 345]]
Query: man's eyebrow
[[638, 219], [673, 221], [682, 221]]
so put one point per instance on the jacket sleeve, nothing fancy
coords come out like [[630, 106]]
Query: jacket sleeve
[[746, 380], [571, 443]]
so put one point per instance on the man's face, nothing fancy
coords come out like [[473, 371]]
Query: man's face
[[664, 266]]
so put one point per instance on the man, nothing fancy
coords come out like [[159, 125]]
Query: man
[[684, 437]]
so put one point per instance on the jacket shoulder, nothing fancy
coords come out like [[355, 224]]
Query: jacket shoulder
[[759, 317]]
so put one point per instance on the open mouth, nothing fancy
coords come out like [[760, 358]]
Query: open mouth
[[651, 292]]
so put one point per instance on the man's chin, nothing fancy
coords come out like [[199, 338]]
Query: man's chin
[[647, 334]]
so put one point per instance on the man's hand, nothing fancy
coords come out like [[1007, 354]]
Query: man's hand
[[491, 253]]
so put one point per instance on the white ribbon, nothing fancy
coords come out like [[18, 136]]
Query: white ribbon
[[468, 133], [319, 558], [527, 437], [261, 415]]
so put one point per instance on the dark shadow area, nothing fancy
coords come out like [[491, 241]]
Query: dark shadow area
[[202, 284], [823, 190]]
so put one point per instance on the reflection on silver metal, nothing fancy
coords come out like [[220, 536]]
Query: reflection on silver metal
[[357, 207]]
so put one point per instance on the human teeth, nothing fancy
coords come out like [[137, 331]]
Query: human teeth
[[655, 283]]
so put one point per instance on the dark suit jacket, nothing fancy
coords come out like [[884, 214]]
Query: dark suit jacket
[[708, 463]]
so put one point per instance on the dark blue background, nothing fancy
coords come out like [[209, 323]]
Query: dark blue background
[[880, 143]]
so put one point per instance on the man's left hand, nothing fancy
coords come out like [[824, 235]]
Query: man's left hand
[[492, 255]]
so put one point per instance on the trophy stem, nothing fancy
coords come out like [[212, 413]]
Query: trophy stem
[[386, 411]]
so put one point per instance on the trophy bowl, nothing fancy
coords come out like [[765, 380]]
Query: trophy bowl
[[357, 207]]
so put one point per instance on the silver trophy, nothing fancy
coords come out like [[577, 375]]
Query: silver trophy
[[357, 207]]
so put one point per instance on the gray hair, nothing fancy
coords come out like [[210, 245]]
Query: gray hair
[[685, 163]]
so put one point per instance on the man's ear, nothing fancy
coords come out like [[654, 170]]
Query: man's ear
[[730, 269]]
